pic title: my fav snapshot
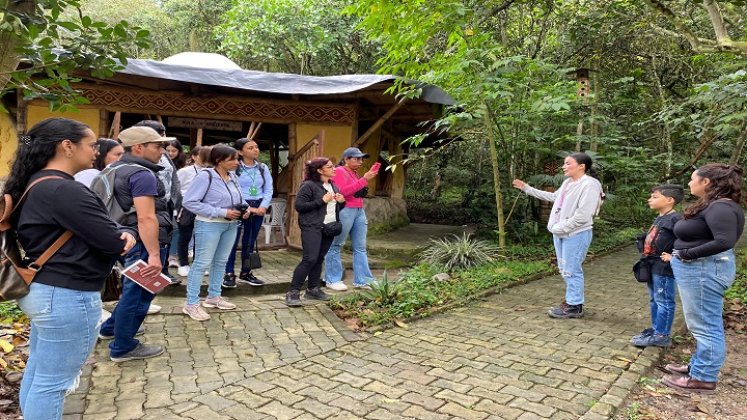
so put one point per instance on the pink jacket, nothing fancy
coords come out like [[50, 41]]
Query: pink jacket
[[349, 182]]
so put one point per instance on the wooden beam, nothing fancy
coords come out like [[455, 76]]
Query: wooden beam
[[114, 131], [21, 109], [379, 122], [199, 136]]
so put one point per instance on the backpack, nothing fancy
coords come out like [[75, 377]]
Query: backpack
[[103, 186], [16, 272]]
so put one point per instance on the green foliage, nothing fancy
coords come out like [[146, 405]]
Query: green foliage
[[459, 253], [54, 45], [738, 290], [10, 311], [383, 292], [295, 36]]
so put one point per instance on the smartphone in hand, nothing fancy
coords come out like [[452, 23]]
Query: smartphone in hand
[[376, 166]]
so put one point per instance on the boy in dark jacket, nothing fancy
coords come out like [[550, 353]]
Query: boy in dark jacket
[[655, 250]]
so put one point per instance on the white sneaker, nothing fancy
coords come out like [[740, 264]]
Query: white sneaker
[[338, 285], [183, 271], [173, 262], [190, 254], [153, 309]]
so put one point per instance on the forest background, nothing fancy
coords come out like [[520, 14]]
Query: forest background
[[666, 89]]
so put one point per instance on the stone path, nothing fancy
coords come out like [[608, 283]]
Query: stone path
[[498, 358]]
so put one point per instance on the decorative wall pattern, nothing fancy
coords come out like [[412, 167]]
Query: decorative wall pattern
[[229, 107]]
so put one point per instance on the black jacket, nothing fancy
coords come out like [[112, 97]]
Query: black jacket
[[310, 206], [164, 208], [54, 206]]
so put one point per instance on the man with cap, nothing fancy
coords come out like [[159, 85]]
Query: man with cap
[[354, 222], [137, 186]]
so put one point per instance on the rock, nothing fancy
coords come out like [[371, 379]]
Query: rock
[[441, 277]]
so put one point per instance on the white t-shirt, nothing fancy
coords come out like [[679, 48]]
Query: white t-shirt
[[331, 206], [86, 176]]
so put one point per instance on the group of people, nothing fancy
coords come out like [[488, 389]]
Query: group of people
[[134, 199], [694, 251]]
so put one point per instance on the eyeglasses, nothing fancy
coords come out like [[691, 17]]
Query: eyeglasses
[[328, 166]]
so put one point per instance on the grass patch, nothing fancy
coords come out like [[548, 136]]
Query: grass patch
[[738, 290], [10, 312]]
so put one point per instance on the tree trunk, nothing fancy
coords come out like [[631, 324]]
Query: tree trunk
[[717, 21], [737, 152], [666, 134], [9, 40], [492, 140]]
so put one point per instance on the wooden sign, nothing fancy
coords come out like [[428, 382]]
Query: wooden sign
[[202, 123]]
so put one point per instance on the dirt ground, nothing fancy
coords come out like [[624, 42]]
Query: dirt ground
[[653, 400]]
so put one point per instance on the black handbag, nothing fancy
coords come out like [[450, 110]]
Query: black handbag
[[642, 270], [253, 260], [332, 228]]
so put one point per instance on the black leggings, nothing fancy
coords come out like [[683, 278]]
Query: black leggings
[[182, 246], [315, 246]]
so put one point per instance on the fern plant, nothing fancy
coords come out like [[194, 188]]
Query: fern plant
[[459, 253]]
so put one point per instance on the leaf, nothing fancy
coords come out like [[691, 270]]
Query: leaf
[[6, 346], [706, 407], [377, 333], [623, 359], [400, 324]]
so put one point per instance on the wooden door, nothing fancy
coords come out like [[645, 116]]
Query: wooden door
[[312, 149]]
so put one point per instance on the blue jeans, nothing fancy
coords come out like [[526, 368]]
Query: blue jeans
[[701, 284], [355, 224], [571, 253], [213, 242], [661, 300], [174, 245], [130, 312], [64, 327], [248, 233]]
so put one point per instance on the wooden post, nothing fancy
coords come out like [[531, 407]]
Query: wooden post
[[379, 122], [199, 136], [114, 131], [21, 114], [103, 123]]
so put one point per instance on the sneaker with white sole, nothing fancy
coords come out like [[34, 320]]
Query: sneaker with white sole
[[173, 262], [153, 309], [183, 271], [140, 331], [218, 302], [363, 286], [195, 312], [338, 285]]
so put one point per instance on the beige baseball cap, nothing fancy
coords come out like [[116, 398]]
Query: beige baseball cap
[[140, 135]]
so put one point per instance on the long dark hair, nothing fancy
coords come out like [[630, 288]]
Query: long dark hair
[[105, 145], [181, 158], [726, 182], [310, 169], [219, 153], [193, 153], [37, 147]]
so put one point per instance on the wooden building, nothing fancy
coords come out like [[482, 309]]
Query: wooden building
[[206, 99]]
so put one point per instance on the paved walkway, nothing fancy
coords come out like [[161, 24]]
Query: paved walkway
[[498, 358]]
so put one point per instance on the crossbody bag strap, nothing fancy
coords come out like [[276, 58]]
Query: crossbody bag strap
[[56, 245]]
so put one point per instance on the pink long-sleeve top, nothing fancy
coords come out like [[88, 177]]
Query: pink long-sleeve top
[[349, 182]]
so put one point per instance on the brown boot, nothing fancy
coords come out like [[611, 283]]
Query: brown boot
[[686, 383], [675, 368]]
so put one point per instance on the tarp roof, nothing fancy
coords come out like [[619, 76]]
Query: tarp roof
[[275, 83]]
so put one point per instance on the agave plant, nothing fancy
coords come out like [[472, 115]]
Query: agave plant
[[459, 252], [384, 292]]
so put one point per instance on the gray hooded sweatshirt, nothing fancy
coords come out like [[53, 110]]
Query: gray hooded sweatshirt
[[575, 204]]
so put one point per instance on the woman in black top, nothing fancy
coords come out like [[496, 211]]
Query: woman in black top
[[64, 301], [318, 204], [704, 267]]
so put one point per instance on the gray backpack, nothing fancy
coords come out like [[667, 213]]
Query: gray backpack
[[103, 186]]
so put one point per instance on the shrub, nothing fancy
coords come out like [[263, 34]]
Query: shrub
[[459, 253]]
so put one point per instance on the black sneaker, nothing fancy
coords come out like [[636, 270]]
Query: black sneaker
[[250, 279], [140, 352], [140, 331], [566, 311], [229, 281], [293, 298], [316, 294]]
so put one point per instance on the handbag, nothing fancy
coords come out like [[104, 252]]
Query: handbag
[[112, 286], [16, 273], [332, 228], [253, 260], [642, 270]]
